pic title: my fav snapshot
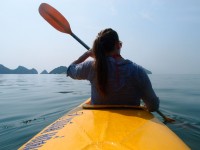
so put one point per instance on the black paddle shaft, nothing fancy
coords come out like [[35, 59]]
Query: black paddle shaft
[[80, 41]]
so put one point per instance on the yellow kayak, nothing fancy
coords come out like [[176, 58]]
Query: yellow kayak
[[105, 128]]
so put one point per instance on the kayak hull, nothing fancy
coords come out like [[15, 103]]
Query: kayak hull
[[106, 129]]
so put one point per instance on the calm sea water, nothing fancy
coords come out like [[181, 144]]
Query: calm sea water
[[28, 103]]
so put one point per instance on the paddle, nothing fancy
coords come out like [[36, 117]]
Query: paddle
[[166, 119], [60, 23]]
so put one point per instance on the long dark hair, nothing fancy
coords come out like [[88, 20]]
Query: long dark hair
[[103, 44]]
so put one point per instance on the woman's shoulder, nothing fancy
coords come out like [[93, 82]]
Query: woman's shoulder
[[136, 68], [131, 63]]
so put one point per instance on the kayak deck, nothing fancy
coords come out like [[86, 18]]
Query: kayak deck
[[106, 129]]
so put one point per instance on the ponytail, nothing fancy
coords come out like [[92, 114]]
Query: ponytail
[[104, 43]]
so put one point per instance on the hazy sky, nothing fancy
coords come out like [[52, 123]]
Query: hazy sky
[[160, 35]]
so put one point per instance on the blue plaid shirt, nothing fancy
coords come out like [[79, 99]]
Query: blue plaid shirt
[[128, 83]]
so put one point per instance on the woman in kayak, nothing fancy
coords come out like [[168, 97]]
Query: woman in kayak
[[114, 80]]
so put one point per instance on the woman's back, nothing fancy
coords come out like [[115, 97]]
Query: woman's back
[[126, 81], [122, 86]]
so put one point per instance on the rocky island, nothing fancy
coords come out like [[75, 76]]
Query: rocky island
[[44, 72], [59, 70], [18, 70]]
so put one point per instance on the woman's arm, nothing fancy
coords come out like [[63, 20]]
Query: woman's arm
[[148, 95], [80, 69], [83, 57]]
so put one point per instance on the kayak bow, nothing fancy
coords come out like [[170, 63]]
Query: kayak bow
[[89, 127]]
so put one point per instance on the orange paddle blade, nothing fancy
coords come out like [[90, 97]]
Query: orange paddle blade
[[55, 18]]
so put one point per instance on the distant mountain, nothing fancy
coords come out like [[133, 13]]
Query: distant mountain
[[59, 70], [44, 72], [4, 70], [18, 70], [147, 71], [23, 70]]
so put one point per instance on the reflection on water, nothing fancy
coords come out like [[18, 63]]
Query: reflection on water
[[28, 103]]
